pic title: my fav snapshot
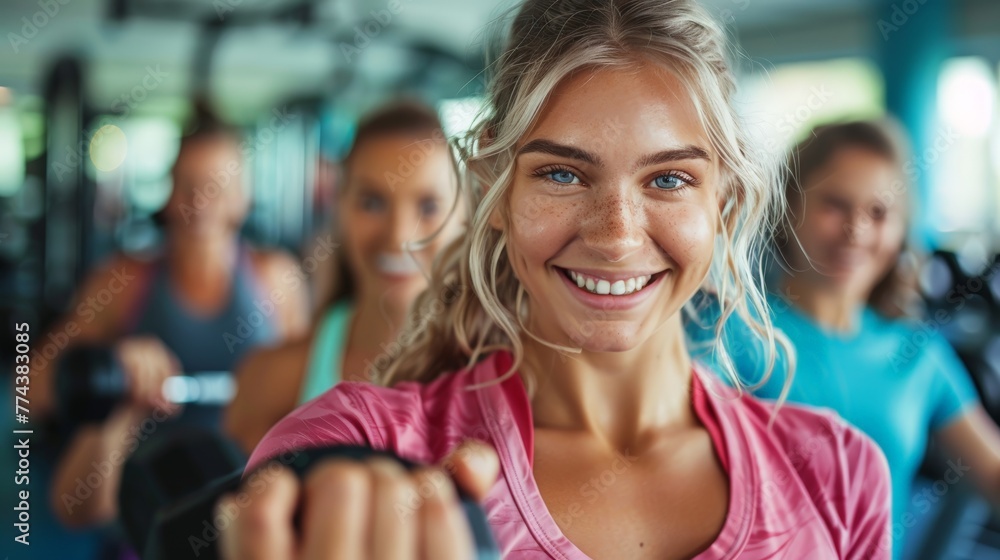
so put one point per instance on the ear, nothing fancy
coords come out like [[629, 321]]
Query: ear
[[496, 219], [723, 199]]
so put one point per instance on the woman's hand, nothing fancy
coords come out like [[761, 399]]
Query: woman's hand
[[147, 363], [361, 510]]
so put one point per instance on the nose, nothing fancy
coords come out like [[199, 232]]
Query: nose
[[612, 226], [858, 227], [401, 228]]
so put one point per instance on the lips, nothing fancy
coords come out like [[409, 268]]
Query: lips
[[614, 287], [396, 265]]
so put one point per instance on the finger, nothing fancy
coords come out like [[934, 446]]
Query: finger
[[335, 511], [140, 374], [444, 532], [164, 370], [474, 466], [396, 512], [263, 528]]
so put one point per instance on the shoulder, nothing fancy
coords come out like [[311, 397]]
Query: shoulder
[[421, 421], [121, 272], [819, 446], [272, 265], [116, 283], [283, 363], [833, 459], [912, 341]]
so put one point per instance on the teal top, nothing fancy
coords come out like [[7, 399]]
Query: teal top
[[898, 381], [326, 355]]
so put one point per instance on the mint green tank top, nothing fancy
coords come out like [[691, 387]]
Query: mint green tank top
[[326, 355]]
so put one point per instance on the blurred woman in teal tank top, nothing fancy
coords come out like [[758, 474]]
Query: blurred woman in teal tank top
[[399, 183], [844, 301]]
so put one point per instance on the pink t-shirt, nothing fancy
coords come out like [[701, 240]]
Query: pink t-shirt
[[810, 487]]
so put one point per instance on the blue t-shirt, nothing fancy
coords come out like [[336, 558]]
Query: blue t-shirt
[[896, 381]]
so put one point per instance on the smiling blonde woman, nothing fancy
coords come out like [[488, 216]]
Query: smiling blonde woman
[[546, 368]]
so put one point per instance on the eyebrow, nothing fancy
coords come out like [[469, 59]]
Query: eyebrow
[[571, 152]]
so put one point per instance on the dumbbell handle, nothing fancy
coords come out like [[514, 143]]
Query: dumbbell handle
[[203, 387], [192, 516], [207, 387], [482, 536]]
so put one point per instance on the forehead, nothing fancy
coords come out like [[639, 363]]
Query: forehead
[[640, 108], [858, 172], [401, 163]]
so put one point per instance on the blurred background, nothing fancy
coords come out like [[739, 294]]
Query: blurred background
[[94, 95]]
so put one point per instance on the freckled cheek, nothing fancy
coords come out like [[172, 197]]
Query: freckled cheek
[[362, 234], [538, 227], [687, 235], [891, 237]]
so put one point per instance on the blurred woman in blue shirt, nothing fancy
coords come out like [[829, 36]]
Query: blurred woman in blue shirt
[[843, 301]]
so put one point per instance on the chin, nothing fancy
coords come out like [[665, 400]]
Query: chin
[[603, 338]]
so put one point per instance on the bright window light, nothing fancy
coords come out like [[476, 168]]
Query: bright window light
[[967, 96]]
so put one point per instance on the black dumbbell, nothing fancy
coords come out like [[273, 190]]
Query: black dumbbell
[[167, 471], [189, 528], [90, 383]]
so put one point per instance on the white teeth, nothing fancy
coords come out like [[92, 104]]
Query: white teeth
[[605, 287], [396, 264], [618, 288]]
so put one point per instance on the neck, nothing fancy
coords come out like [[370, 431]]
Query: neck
[[203, 256], [374, 325], [622, 398], [833, 307]]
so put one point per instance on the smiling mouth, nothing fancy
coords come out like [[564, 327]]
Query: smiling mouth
[[603, 287]]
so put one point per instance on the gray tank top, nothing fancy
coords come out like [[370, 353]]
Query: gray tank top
[[206, 343]]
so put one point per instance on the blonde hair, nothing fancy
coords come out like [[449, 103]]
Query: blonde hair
[[451, 326]]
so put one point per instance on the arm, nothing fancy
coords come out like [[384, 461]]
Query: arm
[[88, 474], [959, 422], [268, 384], [100, 450], [972, 441], [86, 321], [280, 277], [868, 499], [340, 416]]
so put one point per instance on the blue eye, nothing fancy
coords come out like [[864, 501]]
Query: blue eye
[[562, 176], [372, 203], [428, 207], [669, 182]]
